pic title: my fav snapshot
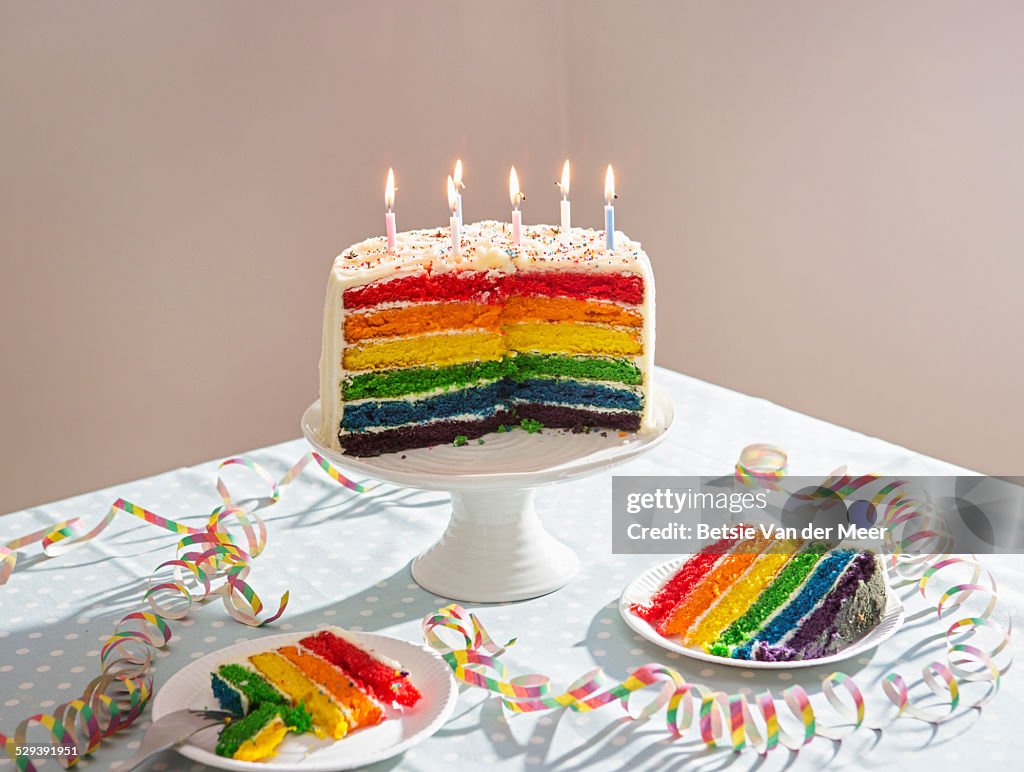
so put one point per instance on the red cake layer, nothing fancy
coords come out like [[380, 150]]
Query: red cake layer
[[476, 286], [383, 681], [679, 587], [585, 285], [485, 287]]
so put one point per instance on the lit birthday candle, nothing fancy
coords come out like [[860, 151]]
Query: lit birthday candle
[[389, 201], [609, 210], [456, 226], [517, 197], [458, 190], [564, 187]]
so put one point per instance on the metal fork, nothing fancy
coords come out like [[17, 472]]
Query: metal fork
[[171, 730]]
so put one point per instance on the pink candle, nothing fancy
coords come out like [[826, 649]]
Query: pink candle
[[564, 187], [517, 197], [457, 179], [389, 223], [389, 218], [454, 223]]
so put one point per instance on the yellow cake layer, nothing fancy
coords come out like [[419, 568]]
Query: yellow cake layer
[[434, 350], [726, 572], [572, 338], [328, 717], [738, 598], [421, 319], [544, 309], [263, 744]]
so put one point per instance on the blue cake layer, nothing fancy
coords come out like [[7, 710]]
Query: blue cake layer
[[484, 401], [229, 697], [585, 394], [478, 401]]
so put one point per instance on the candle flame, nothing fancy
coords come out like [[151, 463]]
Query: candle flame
[[389, 190], [458, 174], [609, 186], [452, 202], [564, 184], [514, 193]]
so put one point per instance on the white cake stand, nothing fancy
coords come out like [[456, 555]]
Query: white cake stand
[[495, 548]]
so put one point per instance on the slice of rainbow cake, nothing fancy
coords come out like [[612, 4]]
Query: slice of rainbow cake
[[326, 684], [770, 599], [422, 345]]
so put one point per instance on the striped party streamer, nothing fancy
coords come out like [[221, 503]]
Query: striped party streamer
[[210, 561], [740, 721]]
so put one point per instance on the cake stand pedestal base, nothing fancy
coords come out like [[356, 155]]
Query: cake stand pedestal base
[[495, 549]]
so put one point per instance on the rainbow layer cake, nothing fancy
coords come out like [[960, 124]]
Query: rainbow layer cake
[[770, 599], [423, 345], [326, 684]]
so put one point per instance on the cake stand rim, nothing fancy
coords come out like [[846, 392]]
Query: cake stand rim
[[462, 481]]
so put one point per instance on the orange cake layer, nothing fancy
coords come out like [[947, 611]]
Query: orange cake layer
[[728, 570], [359, 709], [555, 309], [424, 318]]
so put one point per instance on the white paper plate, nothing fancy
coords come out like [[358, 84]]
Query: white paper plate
[[644, 586], [190, 688]]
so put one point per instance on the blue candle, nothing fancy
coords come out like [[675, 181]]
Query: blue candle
[[609, 210]]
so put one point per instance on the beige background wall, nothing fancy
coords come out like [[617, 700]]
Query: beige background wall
[[830, 192]]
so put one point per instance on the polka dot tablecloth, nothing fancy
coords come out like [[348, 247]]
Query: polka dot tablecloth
[[345, 559]]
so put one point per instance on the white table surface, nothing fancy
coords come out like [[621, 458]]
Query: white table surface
[[345, 559]]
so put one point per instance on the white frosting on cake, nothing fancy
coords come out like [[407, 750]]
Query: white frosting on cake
[[484, 246]]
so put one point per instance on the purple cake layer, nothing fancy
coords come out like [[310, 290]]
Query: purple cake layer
[[578, 419], [421, 435], [853, 606]]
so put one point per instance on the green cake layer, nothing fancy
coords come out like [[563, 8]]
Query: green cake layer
[[399, 383], [592, 368], [250, 685], [233, 735]]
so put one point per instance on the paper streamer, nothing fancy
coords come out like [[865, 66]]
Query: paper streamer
[[211, 561], [740, 721]]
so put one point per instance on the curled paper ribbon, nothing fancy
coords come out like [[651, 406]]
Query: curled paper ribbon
[[740, 721], [209, 561]]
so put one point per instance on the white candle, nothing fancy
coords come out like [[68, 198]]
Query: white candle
[[453, 221], [389, 217], [609, 210], [458, 190], [517, 197], [564, 187]]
